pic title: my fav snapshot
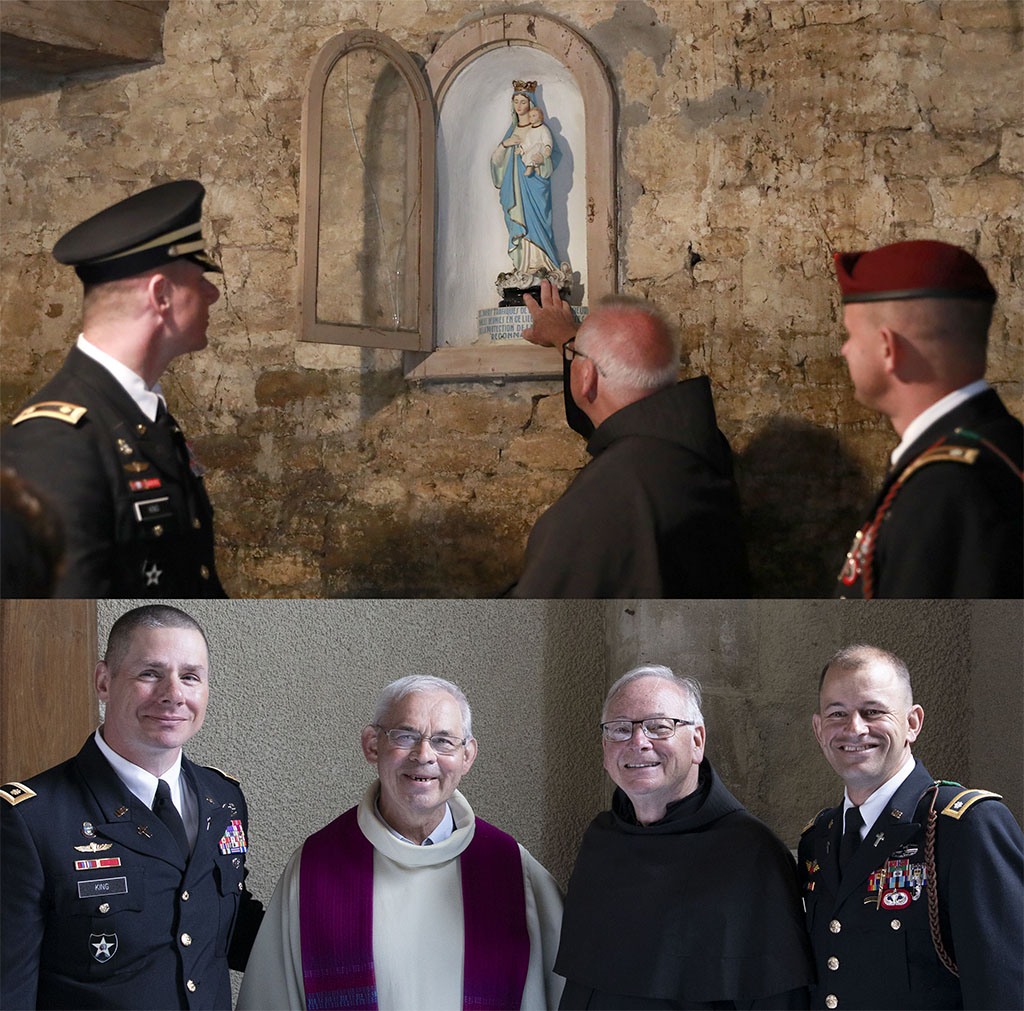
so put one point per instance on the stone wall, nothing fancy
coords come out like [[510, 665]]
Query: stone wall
[[754, 139]]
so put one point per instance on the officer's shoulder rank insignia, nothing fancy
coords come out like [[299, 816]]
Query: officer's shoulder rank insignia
[[15, 793], [958, 806], [57, 409], [221, 772], [942, 454], [810, 824]]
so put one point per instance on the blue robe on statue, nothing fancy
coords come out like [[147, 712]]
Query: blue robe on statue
[[526, 202]]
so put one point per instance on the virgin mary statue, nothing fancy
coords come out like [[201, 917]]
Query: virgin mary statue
[[521, 170]]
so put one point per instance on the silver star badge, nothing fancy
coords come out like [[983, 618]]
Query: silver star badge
[[152, 575]]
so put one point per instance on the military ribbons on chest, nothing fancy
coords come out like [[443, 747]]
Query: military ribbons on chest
[[233, 840], [897, 883]]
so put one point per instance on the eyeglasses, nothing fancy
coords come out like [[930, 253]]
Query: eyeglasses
[[656, 728], [570, 351], [406, 740]]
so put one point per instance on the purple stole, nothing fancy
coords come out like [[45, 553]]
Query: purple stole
[[336, 919]]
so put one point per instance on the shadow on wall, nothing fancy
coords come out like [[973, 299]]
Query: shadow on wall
[[422, 548], [803, 498], [571, 785]]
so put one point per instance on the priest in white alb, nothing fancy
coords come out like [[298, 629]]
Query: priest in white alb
[[408, 900]]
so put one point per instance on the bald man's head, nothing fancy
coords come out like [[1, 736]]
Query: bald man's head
[[633, 343]]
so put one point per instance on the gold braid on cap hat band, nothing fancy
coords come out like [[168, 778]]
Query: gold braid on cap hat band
[[194, 229]]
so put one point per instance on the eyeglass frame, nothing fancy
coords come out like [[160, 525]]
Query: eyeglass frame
[[575, 352], [420, 738], [649, 719]]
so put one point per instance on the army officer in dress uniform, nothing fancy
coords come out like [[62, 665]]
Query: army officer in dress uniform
[[949, 518], [97, 439], [898, 847], [124, 867]]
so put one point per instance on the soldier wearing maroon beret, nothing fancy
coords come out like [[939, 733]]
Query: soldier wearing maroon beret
[[97, 440], [949, 518]]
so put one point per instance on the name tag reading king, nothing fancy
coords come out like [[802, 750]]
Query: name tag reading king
[[102, 886], [153, 509]]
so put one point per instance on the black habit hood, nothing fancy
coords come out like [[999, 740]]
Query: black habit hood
[[683, 414], [700, 907]]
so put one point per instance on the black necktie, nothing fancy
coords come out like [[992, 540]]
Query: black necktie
[[851, 837], [164, 809]]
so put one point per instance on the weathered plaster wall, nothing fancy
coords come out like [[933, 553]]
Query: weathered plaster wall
[[759, 662], [754, 139]]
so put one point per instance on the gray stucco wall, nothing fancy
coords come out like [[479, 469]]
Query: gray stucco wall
[[759, 662], [293, 683]]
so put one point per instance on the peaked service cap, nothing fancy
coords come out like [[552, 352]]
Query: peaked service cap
[[919, 269], [147, 230]]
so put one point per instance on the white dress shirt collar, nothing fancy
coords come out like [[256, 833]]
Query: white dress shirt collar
[[443, 831], [148, 399], [932, 414], [138, 780], [879, 800]]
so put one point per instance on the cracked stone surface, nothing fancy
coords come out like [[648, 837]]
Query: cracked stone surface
[[753, 140]]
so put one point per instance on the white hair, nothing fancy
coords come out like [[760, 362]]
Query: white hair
[[689, 686], [397, 690], [616, 353]]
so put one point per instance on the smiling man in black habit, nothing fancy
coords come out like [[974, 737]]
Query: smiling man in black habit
[[679, 897], [97, 440]]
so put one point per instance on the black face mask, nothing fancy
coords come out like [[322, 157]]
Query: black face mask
[[575, 417]]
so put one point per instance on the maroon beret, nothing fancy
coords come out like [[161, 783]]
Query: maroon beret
[[918, 269]]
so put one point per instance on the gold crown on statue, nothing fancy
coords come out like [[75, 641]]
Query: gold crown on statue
[[530, 86]]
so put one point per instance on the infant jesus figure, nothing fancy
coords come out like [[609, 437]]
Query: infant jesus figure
[[536, 145]]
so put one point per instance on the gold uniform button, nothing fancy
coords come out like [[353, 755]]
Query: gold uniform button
[[835, 926], [105, 907], [158, 531], [186, 939], [184, 896], [831, 1001], [190, 986], [204, 572], [195, 523], [895, 924], [833, 963], [141, 429]]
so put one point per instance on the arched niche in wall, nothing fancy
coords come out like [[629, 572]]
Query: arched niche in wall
[[366, 217], [472, 75], [373, 259]]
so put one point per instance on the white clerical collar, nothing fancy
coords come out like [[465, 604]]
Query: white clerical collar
[[148, 399], [879, 800], [139, 781], [932, 414], [443, 831]]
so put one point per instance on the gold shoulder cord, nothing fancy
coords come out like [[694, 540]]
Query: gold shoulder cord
[[955, 809], [933, 885]]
